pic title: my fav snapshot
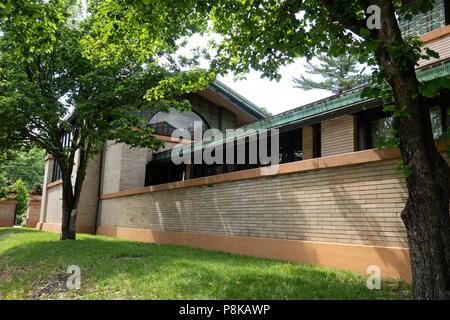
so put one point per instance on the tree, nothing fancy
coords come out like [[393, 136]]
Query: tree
[[340, 74], [267, 34], [50, 90]]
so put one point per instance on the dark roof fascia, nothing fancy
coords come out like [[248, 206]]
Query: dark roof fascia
[[234, 97]]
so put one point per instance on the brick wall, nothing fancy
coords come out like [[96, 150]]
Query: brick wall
[[33, 210], [52, 202], [356, 204], [440, 45], [54, 205], [124, 167], [7, 209], [338, 135]]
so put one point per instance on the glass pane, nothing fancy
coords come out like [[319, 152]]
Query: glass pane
[[165, 123], [436, 121], [382, 130]]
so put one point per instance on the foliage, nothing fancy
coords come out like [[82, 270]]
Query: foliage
[[36, 189], [34, 265], [24, 165], [21, 190], [339, 74]]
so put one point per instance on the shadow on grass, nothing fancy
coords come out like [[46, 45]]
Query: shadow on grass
[[113, 268]]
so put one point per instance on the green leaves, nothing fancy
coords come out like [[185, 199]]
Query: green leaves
[[403, 169], [180, 83], [396, 111], [433, 87]]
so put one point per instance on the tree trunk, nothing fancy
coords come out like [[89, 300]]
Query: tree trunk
[[426, 214], [69, 213]]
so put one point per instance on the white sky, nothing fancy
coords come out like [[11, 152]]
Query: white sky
[[275, 96]]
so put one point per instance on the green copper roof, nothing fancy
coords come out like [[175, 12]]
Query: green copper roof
[[312, 110]]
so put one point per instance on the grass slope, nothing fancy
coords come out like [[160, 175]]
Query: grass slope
[[33, 265]]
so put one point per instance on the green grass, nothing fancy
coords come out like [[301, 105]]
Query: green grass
[[33, 265]]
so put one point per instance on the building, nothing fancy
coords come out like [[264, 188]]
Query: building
[[335, 200]]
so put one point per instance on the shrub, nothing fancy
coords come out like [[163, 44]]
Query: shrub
[[21, 190], [36, 189]]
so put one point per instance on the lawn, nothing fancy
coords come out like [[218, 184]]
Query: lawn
[[33, 265]]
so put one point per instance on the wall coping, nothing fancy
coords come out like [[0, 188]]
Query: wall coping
[[436, 34], [172, 139], [54, 183]]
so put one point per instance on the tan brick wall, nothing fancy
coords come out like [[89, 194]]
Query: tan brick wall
[[441, 46], [338, 135], [54, 205], [357, 204], [88, 199], [307, 143], [132, 170], [87, 208], [124, 167], [47, 176], [111, 168]]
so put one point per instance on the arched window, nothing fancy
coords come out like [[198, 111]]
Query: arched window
[[165, 123]]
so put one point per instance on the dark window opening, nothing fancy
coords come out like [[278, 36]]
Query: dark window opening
[[447, 12], [376, 126], [66, 141], [373, 126], [290, 150], [317, 141], [159, 173], [291, 146]]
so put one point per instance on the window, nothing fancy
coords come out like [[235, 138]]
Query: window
[[66, 140], [290, 143], [375, 126], [291, 146], [423, 23], [165, 123], [317, 141], [437, 121], [381, 130], [159, 173]]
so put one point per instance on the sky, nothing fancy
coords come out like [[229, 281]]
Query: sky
[[275, 96]]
